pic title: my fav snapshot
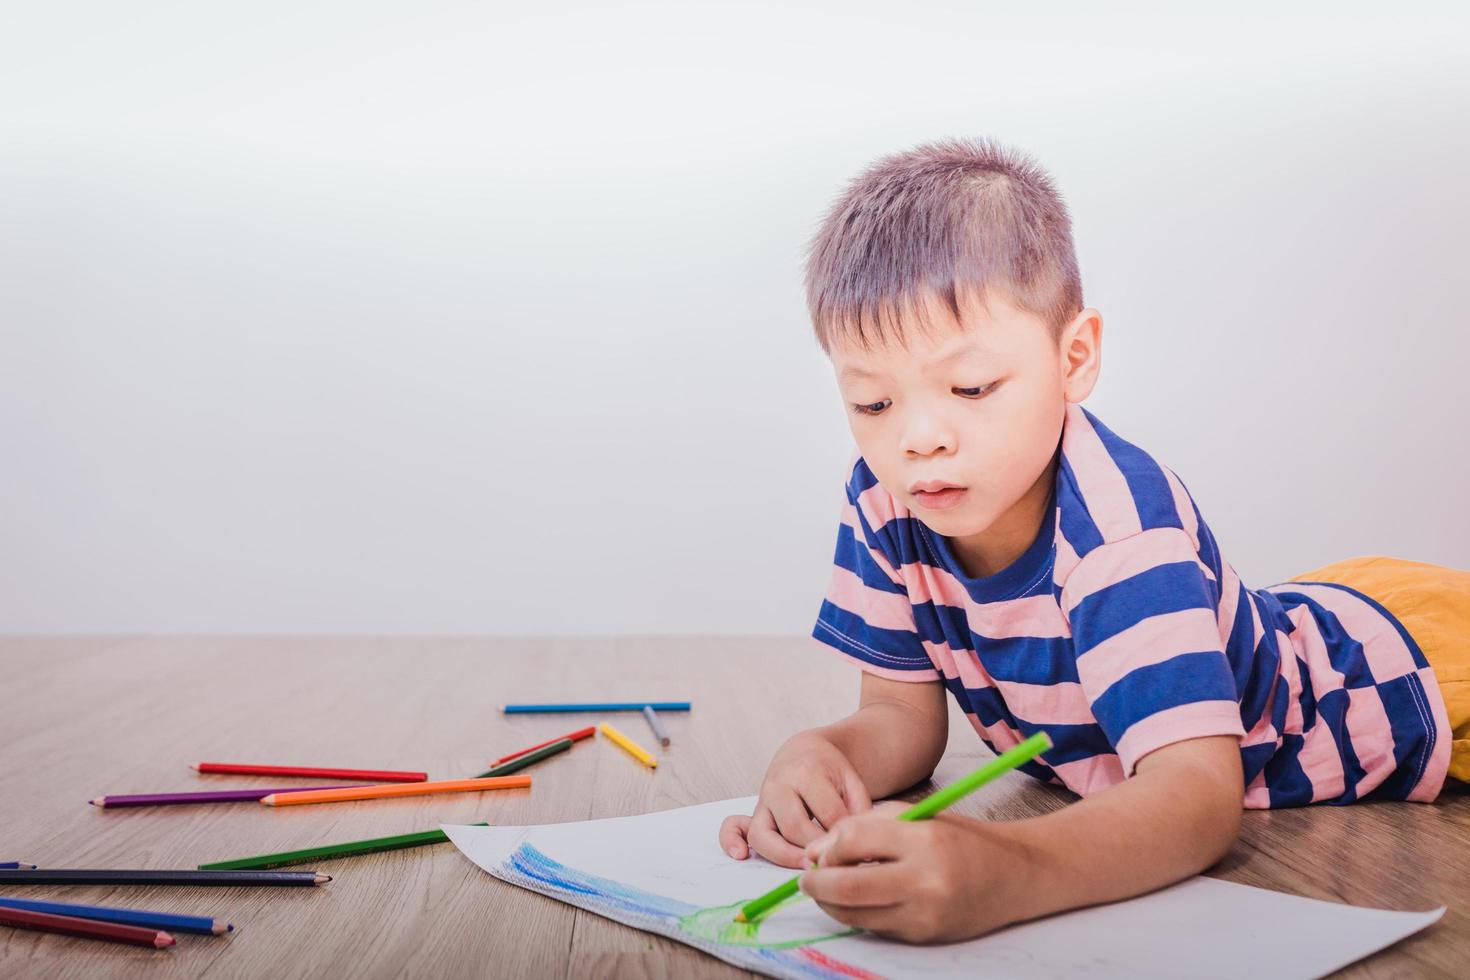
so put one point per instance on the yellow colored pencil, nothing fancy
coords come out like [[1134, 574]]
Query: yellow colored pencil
[[388, 790], [629, 746]]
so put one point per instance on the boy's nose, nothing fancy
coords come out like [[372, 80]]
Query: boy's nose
[[926, 437]]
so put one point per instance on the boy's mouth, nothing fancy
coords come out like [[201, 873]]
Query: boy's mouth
[[936, 494]]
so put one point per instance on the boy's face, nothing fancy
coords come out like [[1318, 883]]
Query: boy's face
[[976, 408]]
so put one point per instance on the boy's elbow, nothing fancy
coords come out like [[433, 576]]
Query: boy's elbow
[[1208, 816], [1223, 829], [1222, 799]]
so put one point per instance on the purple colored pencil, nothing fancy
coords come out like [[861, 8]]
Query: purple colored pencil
[[217, 796]]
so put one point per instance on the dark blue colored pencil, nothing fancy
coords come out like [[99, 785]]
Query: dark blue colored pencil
[[534, 709], [17, 866], [131, 917]]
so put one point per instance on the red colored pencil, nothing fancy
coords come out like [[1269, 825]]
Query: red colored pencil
[[315, 772], [576, 736], [72, 925]]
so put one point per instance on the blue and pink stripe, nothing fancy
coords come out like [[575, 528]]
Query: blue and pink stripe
[[1123, 629]]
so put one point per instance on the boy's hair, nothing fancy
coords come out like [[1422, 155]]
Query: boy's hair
[[945, 216]]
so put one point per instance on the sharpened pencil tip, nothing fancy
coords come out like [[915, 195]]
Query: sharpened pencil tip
[[323, 879], [739, 916], [97, 801]]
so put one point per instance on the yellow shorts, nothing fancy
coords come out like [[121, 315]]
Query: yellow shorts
[[1433, 603]]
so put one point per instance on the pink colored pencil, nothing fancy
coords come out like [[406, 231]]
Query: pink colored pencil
[[315, 772]]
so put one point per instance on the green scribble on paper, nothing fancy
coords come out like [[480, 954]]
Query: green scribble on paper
[[718, 925]]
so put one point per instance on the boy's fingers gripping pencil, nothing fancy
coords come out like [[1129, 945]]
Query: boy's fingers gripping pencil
[[629, 746], [922, 810]]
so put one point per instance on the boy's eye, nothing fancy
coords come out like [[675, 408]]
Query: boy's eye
[[978, 392]]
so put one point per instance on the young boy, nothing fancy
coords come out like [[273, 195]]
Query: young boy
[[1000, 542]]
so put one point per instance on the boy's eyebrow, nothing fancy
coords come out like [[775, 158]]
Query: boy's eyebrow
[[967, 349]]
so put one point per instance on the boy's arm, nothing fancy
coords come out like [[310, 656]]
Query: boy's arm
[[897, 735], [1177, 816], [955, 878]]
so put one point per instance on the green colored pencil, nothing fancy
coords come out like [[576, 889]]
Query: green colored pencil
[[349, 849], [522, 761], [922, 810]]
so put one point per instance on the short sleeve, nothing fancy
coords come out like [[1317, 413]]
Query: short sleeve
[[866, 613], [1150, 658]]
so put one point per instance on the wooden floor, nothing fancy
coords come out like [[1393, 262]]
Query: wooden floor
[[83, 717]]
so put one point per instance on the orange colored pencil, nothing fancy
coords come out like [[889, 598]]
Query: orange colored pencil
[[389, 790]]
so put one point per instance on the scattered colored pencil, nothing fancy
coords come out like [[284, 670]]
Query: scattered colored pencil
[[217, 796], [111, 876], [17, 866], [922, 810], [326, 851], [71, 925], [656, 725], [629, 746], [522, 761], [395, 790], [128, 917], [315, 772], [575, 736], [533, 709]]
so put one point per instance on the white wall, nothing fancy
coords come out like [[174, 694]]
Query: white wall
[[430, 317]]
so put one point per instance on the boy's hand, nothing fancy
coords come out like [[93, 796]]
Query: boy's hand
[[808, 778], [951, 877], [937, 880]]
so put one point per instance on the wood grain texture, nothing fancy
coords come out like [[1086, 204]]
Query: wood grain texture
[[89, 716]]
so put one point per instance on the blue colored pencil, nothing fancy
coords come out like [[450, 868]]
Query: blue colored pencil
[[131, 917], [17, 866], [535, 709]]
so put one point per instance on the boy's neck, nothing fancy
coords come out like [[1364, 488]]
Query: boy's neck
[[993, 549]]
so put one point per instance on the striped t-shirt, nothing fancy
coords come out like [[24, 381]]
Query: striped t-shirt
[[1123, 629]]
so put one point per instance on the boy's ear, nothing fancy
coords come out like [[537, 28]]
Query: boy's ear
[[1080, 349]]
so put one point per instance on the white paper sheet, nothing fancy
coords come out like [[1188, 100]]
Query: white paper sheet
[[653, 871]]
